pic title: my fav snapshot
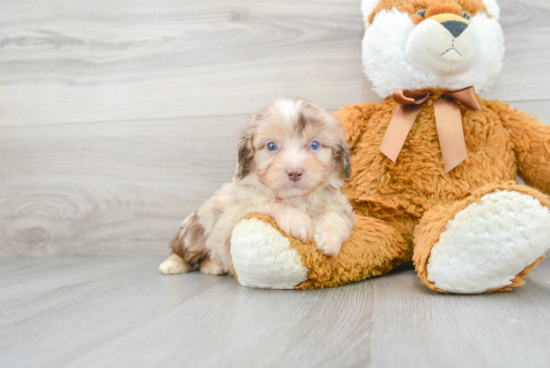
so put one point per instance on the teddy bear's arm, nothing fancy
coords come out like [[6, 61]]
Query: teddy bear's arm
[[531, 140], [354, 119]]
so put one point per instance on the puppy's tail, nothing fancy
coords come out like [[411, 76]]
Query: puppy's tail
[[188, 247]]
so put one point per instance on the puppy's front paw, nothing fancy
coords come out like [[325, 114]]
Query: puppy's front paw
[[328, 243], [297, 224], [331, 230]]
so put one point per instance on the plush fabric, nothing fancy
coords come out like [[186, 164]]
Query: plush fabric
[[374, 249], [403, 208], [264, 254], [388, 65], [370, 7], [456, 230], [472, 230]]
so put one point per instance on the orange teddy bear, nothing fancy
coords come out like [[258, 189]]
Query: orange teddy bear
[[434, 165]]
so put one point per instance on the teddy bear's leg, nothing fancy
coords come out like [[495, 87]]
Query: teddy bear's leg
[[265, 257], [486, 242]]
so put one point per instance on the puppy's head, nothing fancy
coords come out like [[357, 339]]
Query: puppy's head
[[294, 147]]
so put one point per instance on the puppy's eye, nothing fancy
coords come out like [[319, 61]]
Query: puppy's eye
[[466, 15], [271, 146], [314, 145], [421, 12]]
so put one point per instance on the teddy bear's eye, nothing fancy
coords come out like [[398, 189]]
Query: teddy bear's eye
[[421, 12], [466, 15]]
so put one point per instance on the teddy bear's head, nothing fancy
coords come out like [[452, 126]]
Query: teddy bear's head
[[420, 44]]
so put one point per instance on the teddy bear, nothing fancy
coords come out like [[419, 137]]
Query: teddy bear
[[434, 165]]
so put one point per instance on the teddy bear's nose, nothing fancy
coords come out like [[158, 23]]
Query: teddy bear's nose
[[456, 28]]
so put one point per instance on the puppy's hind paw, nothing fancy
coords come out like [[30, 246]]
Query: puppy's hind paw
[[212, 268], [174, 265]]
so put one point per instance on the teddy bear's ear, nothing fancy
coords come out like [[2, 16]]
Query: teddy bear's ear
[[493, 8], [367, 6]]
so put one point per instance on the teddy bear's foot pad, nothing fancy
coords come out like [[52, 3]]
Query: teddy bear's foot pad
[[488, 243], [262, 257]]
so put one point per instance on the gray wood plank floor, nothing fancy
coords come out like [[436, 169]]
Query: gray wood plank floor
[[118, 118], [121, 312]]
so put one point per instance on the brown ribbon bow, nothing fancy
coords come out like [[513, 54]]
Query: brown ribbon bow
[[448, 120]]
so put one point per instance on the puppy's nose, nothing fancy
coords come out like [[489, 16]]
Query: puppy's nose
[[456, 28], [295, 174]]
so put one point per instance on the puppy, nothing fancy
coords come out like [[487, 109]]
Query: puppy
[[292, 158]]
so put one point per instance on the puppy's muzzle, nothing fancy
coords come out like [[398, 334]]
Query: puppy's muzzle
[[295, 174], [453, 23]]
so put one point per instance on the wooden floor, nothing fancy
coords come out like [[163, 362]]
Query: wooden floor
[[118, 118], [121, 312]]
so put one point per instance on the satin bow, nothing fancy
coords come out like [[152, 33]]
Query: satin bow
[[448, 120]]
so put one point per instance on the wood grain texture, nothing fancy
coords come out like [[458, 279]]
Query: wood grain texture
[[527, 54], [109, 188], [478, 331], [121, 312], [124, 60], [119, 117]]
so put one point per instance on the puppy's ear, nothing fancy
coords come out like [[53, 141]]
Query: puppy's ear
[[246, 151], [342, 155]]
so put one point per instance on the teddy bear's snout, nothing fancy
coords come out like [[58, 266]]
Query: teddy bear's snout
[[443, 44], [456, 28], [455, 24]]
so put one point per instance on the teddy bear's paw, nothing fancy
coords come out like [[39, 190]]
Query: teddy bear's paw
[[489, 245], [262, 257]]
